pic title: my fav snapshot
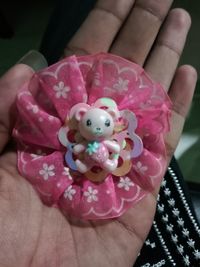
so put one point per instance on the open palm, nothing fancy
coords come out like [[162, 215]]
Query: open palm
[[32, 234]]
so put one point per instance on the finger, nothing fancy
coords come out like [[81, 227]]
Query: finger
[[10, 83], [163, 59], [139, 32], [99, 29], [181, 93]]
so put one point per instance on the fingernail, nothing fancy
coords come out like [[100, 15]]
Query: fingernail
[[34, 59]]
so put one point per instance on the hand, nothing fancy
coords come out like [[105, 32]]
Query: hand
[[32, 234]]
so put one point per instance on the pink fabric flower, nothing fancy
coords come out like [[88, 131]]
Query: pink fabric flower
[[45, 102]]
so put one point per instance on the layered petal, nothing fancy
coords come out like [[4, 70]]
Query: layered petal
[[45, 170], [44, 104]]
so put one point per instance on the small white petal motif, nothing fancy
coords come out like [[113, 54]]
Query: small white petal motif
[[165, 218], [69, 192], [140, 168], [61, 90], [33, 108], [47, 171], [169, 227], [186, 260], [174, 238], [197, 254], [160, 208], [171, 202], [91, 194], [66, 172], [180, 222], [176, 212], [167, 192], [125, 183], [185, 232], [148, 243], [38, 154], [180, 249], [121, 85], [191, 243]]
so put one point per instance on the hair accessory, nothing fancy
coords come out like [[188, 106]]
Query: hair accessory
[[90, 135]]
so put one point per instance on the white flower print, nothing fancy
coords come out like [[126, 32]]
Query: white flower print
[[191, 243], [50, 118], [185, 232], [163, 184], [121, 85], [180, 249], [67, 173], [97, 78], [47, 171], [140, 168], [69, 192], [180, 222], [167, 192], [197, 254], [174, 238], [171, 202], [61, 90], [91, 194], [176, 212], [125, 183], [85, 98], [169, 227], [33, 108], [147, 242], [160, 207], [40, 119], [186, 260]]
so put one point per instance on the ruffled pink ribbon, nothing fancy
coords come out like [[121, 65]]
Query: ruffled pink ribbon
[[43, 105]]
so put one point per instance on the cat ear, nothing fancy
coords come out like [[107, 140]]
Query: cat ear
[[114, 113], [80, 112], [108, 105]]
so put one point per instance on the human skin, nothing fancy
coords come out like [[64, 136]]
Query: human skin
[[34, 235]]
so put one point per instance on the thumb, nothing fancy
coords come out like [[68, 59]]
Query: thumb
[[10, 84]]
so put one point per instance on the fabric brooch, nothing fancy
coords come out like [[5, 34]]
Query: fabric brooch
[[90, 135]]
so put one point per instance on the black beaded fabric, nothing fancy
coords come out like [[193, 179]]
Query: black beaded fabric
[[174, 239]]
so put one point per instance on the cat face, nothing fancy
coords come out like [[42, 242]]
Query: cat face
[[95, 124]]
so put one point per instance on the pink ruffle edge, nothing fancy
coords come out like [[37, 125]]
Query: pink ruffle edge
[[43, 104]]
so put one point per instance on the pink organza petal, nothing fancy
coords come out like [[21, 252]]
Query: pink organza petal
[[39, 95], [109, 199], [46, 172], [110, 76], [45, 102], [126, 83], [64, 85], [34, 125]]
